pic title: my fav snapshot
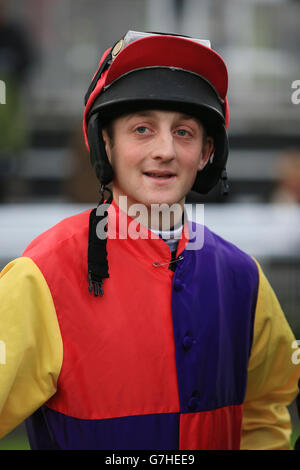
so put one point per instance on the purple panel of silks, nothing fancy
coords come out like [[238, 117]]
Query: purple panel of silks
[[213, 306], [49, 429]]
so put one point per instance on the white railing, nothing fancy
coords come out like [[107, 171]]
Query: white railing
[[262, 230]]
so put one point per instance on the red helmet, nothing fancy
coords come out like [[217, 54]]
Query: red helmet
[[159, 71]]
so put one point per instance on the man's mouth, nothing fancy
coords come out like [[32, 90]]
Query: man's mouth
[[159, 174]]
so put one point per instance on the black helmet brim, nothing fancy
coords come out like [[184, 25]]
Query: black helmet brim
[[161, 88]]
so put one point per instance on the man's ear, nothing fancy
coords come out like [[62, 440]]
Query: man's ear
[[207, 151], [107, 144]]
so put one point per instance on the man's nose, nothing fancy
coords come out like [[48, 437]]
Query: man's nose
[[164, 146]]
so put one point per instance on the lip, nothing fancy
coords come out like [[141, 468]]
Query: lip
[[159, 173], [160, 177]]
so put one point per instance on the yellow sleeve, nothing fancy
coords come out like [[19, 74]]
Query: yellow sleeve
[[273, 376], [30, 343]]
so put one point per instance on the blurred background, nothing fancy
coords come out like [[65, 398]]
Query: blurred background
[[49, 52]]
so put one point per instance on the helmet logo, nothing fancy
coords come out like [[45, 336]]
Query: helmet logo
[[117, 48]]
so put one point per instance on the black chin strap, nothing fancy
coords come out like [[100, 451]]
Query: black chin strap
[[97, 254], [224, 181]]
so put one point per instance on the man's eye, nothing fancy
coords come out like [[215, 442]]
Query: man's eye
[[182, 133], [141, 130]]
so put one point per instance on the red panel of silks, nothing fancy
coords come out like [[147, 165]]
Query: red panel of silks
[[218, 429]]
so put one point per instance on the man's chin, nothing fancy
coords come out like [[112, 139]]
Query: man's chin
[[167, 203]]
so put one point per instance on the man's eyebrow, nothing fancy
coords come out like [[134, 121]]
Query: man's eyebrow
[[145, 113], [150, 113], [188, 117]]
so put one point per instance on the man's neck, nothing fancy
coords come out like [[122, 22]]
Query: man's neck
[[157, 217]]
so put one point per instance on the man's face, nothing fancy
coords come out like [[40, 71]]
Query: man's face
[[155, 156]]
